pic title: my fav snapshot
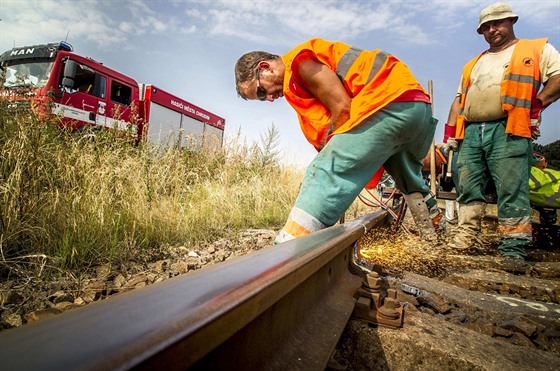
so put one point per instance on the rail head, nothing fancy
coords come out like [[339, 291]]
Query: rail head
[[196, 312]]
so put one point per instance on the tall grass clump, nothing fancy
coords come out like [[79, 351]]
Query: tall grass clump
[[80, 201]]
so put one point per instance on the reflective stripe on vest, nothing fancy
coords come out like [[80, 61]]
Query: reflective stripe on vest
[[372, 79], [520, 84], [348, 59]]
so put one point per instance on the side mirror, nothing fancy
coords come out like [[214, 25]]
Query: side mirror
[[69, 74]]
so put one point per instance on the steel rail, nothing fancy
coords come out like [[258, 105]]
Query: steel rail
[[282, 307]]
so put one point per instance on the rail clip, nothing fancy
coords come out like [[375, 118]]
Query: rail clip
[[373, 308]]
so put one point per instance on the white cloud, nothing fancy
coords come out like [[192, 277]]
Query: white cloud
[[126, 27], [54, 20], [281, 22], [189, 30], [267, 21], [196, 13]]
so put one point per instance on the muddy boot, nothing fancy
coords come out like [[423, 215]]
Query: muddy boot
[[468, 235], [427, 220]]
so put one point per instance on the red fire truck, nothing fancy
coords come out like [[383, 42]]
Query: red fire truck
[[85, 92]]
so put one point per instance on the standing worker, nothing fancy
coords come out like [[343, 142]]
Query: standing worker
[[362, 110], [494, 117]]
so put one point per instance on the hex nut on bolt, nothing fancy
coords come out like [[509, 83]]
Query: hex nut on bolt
[[372, 281], [388, 309]]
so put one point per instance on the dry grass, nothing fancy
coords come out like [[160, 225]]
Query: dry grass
[[82, 202]]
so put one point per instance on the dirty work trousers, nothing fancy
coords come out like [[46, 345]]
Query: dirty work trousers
[[488, 152], [396, 137]]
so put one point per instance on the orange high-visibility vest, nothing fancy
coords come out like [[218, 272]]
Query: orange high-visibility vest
[[372, 79], [520, 85]]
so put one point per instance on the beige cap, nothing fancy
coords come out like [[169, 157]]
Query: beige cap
[[495, 12]]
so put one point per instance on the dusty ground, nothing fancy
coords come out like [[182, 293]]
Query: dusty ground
[[467, 312]]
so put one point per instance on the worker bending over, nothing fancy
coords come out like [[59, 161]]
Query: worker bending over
[[364, 111]]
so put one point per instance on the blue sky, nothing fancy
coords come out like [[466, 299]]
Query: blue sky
[[189, 48]]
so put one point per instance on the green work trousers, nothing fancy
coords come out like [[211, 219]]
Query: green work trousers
[[485, 153], [396, 137]]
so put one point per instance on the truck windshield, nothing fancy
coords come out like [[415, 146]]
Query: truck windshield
[[30, 74]]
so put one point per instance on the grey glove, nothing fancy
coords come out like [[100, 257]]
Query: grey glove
[[451, 144]]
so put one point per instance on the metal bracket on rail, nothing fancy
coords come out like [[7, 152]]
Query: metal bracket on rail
[[372, 307]]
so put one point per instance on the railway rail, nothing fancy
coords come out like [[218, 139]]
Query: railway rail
[[296, 306], [265, 310]]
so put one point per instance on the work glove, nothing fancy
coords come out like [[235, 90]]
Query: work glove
[[451, 144], [535, 115]]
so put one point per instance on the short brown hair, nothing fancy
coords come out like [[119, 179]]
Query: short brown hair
[[246, 65]]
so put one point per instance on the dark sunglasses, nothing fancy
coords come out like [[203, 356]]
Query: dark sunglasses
[[261, 93]]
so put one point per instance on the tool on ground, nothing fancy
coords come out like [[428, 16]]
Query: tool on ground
[[410, 289]]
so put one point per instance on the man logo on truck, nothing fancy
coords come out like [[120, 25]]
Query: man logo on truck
[[22, 52]]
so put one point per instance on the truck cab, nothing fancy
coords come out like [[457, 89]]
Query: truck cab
[[81, 90]]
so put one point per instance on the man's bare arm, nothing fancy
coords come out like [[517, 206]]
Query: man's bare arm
[[454, 111], [551, 91], [325, 85]]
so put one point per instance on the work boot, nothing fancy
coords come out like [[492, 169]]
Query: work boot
[[426, 219], [468, 235]]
